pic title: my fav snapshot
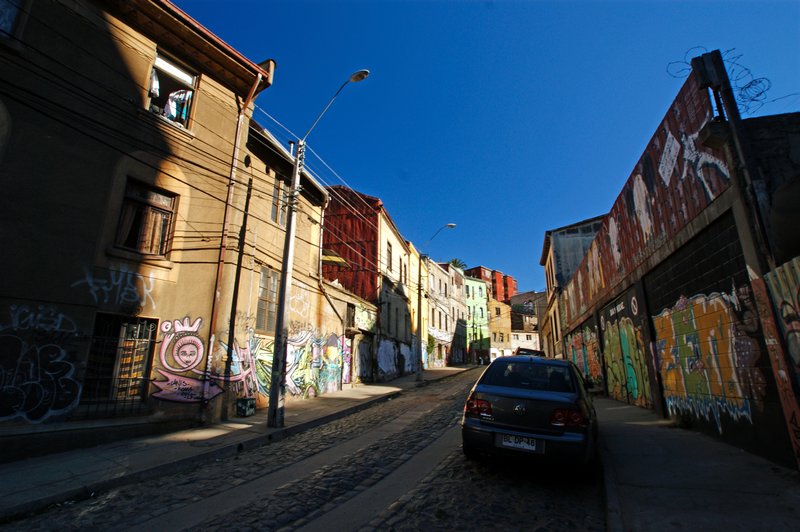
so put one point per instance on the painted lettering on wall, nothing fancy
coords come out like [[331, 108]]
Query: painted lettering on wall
[[314, 366], [584, 350], [707, 357], [119, 286], [37, 374], [626, 366], [387, 359]]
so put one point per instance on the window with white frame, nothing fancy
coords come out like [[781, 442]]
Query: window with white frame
[[145, 224], [171, 90], [389, 256]]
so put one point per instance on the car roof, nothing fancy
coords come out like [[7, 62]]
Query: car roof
[[534, 359]]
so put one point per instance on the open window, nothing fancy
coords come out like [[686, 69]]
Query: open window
[[171, 91], [146, 221]]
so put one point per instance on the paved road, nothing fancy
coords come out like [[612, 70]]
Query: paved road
[[395, 466]]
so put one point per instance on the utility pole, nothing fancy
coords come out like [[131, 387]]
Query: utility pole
[[277, 388]]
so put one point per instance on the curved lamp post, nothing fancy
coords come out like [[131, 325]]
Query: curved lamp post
[[277, 386], [419, 298]]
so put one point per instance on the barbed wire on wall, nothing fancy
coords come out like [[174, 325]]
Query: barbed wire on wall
[[750, 91]]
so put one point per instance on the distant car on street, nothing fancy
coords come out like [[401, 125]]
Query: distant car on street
[[528, 352], [534, 407]]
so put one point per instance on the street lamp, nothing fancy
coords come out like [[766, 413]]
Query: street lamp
[[419, 298], [277, 387]]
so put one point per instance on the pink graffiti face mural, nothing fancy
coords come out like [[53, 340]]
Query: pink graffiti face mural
[[188, 352], [182, 352]]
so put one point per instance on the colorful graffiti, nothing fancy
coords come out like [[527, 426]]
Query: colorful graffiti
[[347, 360], [120, 286], [781, 337], [182, 351], [37, 377], [784, 286], [314, 366], [707, 356], [626, 368], [584, 351]]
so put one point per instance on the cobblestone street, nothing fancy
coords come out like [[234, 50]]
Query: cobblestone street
[[326, 467]]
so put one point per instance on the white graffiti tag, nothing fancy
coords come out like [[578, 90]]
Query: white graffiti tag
[[120, 287]]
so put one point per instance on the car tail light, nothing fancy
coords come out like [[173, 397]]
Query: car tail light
[[568, 417], [478, 407]]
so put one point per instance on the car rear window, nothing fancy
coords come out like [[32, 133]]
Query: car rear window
[[530, 376]]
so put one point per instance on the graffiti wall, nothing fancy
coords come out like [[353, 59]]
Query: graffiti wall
[[706, 359], [182, 370], [364, 366], [784, 289], [583, 348], [119, 287], [37, 363], [674, 180], [709, 344], [625, 356], [388, 360], [779, 306]]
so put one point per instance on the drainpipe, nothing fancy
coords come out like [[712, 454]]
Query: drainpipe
[[325, 293], [223, 248]]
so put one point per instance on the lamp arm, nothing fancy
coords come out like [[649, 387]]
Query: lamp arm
[[325, 110]]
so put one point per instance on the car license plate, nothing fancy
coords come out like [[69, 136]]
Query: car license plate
[[521, 442]]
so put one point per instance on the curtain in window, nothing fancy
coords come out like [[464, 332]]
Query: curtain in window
[[124, 236]]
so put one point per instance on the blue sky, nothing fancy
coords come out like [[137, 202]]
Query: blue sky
[[507, 118]]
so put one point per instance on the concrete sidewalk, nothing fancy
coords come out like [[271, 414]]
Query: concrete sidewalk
[[659, 477], [33, 484]]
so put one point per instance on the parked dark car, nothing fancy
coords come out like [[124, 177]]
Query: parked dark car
[[533, 406]]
